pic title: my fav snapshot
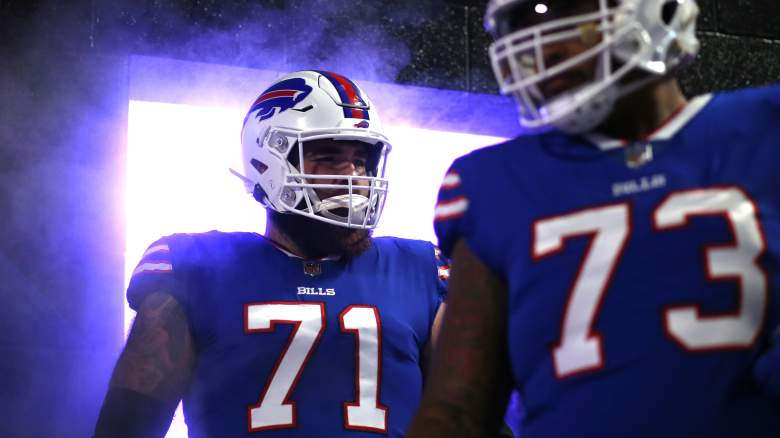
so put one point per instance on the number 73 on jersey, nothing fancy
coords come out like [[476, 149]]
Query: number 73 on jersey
[[581, 350]]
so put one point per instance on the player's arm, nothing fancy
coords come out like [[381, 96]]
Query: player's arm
[[468, 388], [766, 370], [151, 374], [433, 341]]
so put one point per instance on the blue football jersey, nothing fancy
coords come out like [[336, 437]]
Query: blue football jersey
[[643, 278], [295, 348]]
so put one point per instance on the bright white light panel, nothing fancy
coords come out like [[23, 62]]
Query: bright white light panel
[[178, 180]]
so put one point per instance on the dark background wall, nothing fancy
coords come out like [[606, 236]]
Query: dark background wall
[[63, 105]]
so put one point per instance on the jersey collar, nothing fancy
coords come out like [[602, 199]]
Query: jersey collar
[[294, 256], [667, 130]]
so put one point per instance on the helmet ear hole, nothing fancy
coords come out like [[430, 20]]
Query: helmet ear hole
[[668, 11], [259, 166]]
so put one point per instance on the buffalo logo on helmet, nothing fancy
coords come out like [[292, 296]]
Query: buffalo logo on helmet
[[362, 124], [279, 98]]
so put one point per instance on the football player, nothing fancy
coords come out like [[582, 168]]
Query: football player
[[621, 269], [316, 328]]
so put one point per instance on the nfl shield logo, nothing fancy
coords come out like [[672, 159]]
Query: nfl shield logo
[[312, 269], [638, 154]]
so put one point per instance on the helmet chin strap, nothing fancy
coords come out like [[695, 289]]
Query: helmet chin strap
[[359, 205]]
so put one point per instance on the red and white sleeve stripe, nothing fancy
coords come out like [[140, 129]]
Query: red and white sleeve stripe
[[451, 209], [451, 181], [155, 259]]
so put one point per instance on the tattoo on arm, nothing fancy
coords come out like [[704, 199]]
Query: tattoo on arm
[[158, 358], [469, 384]]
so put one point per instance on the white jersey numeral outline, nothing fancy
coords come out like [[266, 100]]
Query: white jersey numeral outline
[[274, 409], [738, 261], [365, 412], [580, 348]]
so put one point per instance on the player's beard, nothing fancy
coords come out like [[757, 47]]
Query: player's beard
[[318, 239]]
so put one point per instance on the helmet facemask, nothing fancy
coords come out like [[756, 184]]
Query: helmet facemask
[[355, 201], [613, 38]]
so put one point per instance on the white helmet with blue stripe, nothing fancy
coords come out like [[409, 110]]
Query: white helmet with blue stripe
[[302, 107]]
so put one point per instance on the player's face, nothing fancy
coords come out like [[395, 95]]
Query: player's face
[[331, 157], [318, 239], [535, 13]]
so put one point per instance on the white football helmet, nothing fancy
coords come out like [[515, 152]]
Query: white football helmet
[[619, 36], [302, 107]]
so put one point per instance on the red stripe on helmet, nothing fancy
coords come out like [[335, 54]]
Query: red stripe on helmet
[[352, 94]]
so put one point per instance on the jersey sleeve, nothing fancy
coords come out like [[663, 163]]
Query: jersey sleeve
[[451, 213], [158, 271], [443, 272], [441, 280]]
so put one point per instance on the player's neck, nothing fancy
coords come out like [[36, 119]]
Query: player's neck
[[312, 239], [283, 241], [641, 113]]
